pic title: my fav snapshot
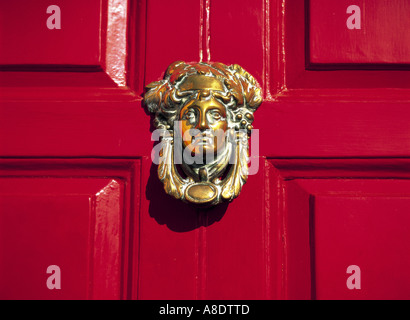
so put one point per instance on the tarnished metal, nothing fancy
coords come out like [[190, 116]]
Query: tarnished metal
[[205, 114]]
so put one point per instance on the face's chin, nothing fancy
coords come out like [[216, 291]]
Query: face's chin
[[205, 155]]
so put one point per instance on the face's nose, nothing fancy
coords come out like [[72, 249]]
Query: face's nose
[[202, 123]]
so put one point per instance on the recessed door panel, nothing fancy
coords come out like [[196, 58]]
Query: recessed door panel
[[369, 232], [70, 223], [359, 32], [57, 32], [346, 228]]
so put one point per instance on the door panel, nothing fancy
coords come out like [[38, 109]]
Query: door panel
[[300, 73], [363, 32], [365, 230], [341, 213], [68, 36], [72, 214], [75, 155], [75, 42], [62, 221]]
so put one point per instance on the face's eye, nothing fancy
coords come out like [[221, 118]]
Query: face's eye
[[215, 114], [190, 116]]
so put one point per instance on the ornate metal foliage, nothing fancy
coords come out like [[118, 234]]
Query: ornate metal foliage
[[204, 112]]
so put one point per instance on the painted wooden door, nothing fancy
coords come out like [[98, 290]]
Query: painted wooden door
[[78, 189]]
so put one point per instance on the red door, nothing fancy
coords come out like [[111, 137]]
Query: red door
[[83, 214]]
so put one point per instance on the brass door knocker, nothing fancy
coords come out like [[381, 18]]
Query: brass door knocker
[[204, 112]]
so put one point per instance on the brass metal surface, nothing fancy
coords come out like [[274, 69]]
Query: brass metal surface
[[205, 112]]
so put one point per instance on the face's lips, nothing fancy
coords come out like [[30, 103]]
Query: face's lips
[[202, 139], [206, 140]]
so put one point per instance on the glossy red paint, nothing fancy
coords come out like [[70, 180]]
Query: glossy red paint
[[334, 213], [78, 188], [380, 40], [75, 214], [26, 39]]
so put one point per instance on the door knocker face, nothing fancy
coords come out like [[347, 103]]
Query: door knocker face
[[204, 112]]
